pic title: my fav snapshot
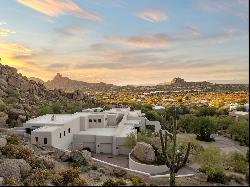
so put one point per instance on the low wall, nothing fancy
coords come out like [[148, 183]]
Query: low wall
[[129, 172], [151, 169]]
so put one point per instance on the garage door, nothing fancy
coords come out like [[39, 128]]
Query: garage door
[[90, 145], [124, 150], [106, 148]]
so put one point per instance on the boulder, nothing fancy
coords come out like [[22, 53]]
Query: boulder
[[17, 168], [3, 142], [144, 152], [81, 157], [64, 157]]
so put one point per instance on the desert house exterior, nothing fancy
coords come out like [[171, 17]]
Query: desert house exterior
[[93, 129]]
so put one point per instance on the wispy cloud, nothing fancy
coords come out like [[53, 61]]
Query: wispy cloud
[[6, 32], [15, 47], [59, 7], [2, 23], [238, 8], [150, 41], [152, 15]]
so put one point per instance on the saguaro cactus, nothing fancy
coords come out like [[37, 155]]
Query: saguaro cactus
[[174, 159]]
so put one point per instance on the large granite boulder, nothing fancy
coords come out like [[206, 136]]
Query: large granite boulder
[[81, 157], [144, 152], [17, 168]]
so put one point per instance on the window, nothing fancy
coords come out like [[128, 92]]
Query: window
[[99, 120], [36, 139], [68, 130], [60, 135], [90, 120], [63, 133], [94, 120], [45, 141]]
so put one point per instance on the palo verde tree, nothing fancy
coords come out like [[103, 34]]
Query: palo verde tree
[[174, 158]]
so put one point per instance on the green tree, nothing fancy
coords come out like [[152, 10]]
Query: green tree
[[186, 121], [56, 108], [203, 127]]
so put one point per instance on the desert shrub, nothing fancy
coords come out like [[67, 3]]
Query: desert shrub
[[109, 182], [12, 181], [214, 174], [78, 182], [44, 110], [16, 151], [247, 176], [37, 162], [185, 122], [12, 139], [247, 155], [203, 127], [39, 177], [237, 162], [212, 164], [94, 167], [196, 148], [69, 175], [240, 131], [2, 107], [240, 166], [120, 182], [136, 181], [57, 179]]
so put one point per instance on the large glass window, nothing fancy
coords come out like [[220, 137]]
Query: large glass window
[[36, 139], [64, 133], [99, 120], [60, 135], [68, 130], [90, 120]]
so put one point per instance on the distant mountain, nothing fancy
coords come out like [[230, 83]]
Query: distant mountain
[[66, 84], [242, 81], [36, 80]]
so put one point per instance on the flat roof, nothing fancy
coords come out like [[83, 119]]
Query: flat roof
[[120, 131], [46, 129], [46, 119]]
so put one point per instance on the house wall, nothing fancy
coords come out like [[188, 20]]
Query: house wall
[[41, 136], [65, 142], [84, 124], [80, 140], [112, 119], [94, 123], [103, 140], [154, 123]]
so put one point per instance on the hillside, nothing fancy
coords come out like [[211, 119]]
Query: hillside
[[20, 97], [65, 83]]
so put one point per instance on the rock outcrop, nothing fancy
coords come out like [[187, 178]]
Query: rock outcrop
[[20, 97], [144, 153], [17, 168]]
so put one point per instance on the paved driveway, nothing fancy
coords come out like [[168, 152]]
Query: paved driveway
[[223, 143], [120, 160]]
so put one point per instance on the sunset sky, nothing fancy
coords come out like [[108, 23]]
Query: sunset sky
[[126, 41]]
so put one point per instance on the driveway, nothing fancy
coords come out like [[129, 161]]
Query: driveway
[[225, 144], [119, 160]]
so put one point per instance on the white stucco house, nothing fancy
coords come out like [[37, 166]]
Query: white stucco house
[[93, 129]]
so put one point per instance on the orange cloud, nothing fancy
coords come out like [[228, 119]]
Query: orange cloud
[[152, 15], [6, 32], [157, 40], [59, 7], [14, 47]]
